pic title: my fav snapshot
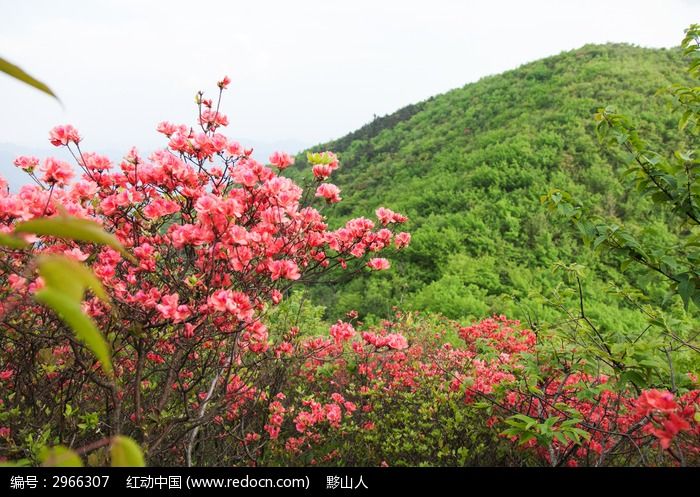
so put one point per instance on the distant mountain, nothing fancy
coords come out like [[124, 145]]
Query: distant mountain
[[468, 168]]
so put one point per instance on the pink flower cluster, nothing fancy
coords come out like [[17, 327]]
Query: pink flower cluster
[[64, 135], [392, 340], [317, 413], [274, 423], [342, 332]]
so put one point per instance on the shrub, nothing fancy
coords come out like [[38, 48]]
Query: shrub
[[218, 239]]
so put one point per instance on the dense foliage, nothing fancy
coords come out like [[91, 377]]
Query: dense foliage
[[468, 168]]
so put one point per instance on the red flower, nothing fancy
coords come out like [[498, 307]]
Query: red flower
[[56, 172], [379, 264], [281, 160], [223, 84], [655, 400], [330, 192], [63, 135], [284, 269], [342, 332]]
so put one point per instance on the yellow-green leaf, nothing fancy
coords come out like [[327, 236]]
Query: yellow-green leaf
[[70, 277], [17, 73], [60, 456], [126, 452], [12, 241], [71, 313], [73, 228]]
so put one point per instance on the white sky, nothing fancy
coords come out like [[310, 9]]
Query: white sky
[[302, 71]]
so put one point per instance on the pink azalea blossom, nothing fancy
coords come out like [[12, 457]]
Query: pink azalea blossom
[[169, 308], [379, 264], [329, 191], [387, 216], [223, 84], [281, 160], [26, 163], [284, 269], [63, 135], [402, 239], [56, 172], [342, 332]]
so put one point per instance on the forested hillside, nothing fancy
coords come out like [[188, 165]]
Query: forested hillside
[[468, 167]]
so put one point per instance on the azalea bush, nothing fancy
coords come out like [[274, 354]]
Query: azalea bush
[[213, 241], [423, 390]]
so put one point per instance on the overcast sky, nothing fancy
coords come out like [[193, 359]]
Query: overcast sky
[[302, 71]]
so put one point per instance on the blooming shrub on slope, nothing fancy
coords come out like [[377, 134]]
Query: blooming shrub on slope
[[218, 239], [492, 393]]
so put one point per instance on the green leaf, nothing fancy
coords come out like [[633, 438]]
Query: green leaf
[[126, 452], [70, 277], [686, 289], [683, 122], [17, 73], [561, 437], [73, 228], [525, 438], [71, 313], [60, 456], [534, 389], [12, 241], [521, 420], [551, 421], [581, 433], [512, 432], [633, 377]]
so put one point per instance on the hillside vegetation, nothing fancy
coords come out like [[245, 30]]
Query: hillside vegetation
[[468, 167]]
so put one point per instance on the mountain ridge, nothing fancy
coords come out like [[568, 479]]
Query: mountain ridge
[[404, 113]]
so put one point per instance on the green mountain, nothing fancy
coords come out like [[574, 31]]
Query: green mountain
[[468, 168]]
